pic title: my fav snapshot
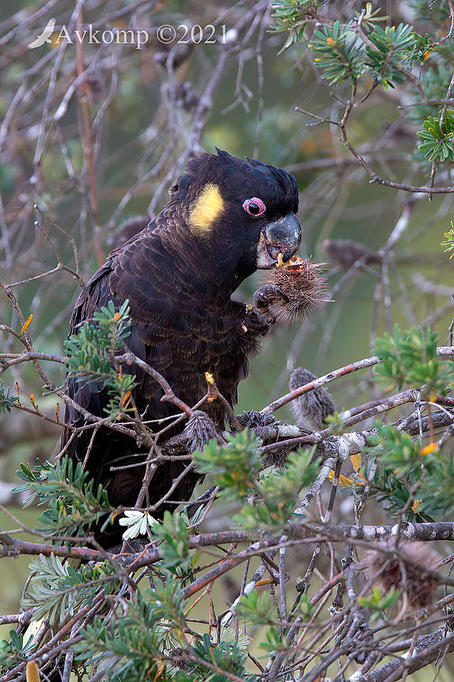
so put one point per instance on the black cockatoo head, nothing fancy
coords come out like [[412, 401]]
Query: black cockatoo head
[[240, 213]]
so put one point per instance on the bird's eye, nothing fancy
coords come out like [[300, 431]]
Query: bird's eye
[[254, 206]]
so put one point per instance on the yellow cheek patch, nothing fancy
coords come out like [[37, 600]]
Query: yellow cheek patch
[[206, 209]]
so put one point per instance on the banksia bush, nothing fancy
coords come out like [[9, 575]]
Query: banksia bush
[[355, 104]]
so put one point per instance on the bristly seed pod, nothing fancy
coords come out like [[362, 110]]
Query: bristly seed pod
[[294, 289], [420, 586], [310, 409], [199, 430]]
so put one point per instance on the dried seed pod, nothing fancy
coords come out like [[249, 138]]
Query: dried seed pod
[[199, 430], [420, 586], [310, 409], [293, 289], [345, 253]]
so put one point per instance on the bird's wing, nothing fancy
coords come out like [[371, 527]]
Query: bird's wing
[[91, 395], [126, 277]]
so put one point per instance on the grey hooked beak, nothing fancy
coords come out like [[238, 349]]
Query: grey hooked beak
[[283, 236]]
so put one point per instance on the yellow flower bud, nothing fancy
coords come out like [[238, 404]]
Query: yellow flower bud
[[32, 672]]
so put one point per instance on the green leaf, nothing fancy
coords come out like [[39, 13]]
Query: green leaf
[[260, 610], [338, 53], [7, 401], [436, 139], [91, 352], [57, 590], [390, 48], [236, 465], [73, 503], [292, 16], [410, 358], [277, 493], [378, 602]]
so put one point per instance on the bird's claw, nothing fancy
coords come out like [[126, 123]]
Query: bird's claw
[[264, 426], [268, 294], [252, 418], [259, 322], [265, 297]]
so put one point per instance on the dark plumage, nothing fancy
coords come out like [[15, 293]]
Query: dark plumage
[[179, 273], [129, 228]]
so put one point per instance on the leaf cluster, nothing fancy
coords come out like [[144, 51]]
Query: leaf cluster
[[292, 16], [174, 533], [15, 649], [274, 641], [342, 55], [261, 609], [258, 609], [437, 136], [347, 51], [420, 50], [57, 590], [338, 53], [449, 240], [276, 493], [272, 496], [410, 358], [131, 646], [91, 352], [149, 642], [227, 656], [419, 481], [235, 466], [7, 401], [378, 602], [72, 501], [392, 46]]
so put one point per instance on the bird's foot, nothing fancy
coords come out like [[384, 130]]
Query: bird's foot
[[257, 323], [265, 297]]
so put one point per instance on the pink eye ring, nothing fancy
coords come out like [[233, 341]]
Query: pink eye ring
[[254, 206]]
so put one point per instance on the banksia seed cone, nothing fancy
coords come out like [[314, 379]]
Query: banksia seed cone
[[301, 284], [199, 430], [310, 409], [420, 586]]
